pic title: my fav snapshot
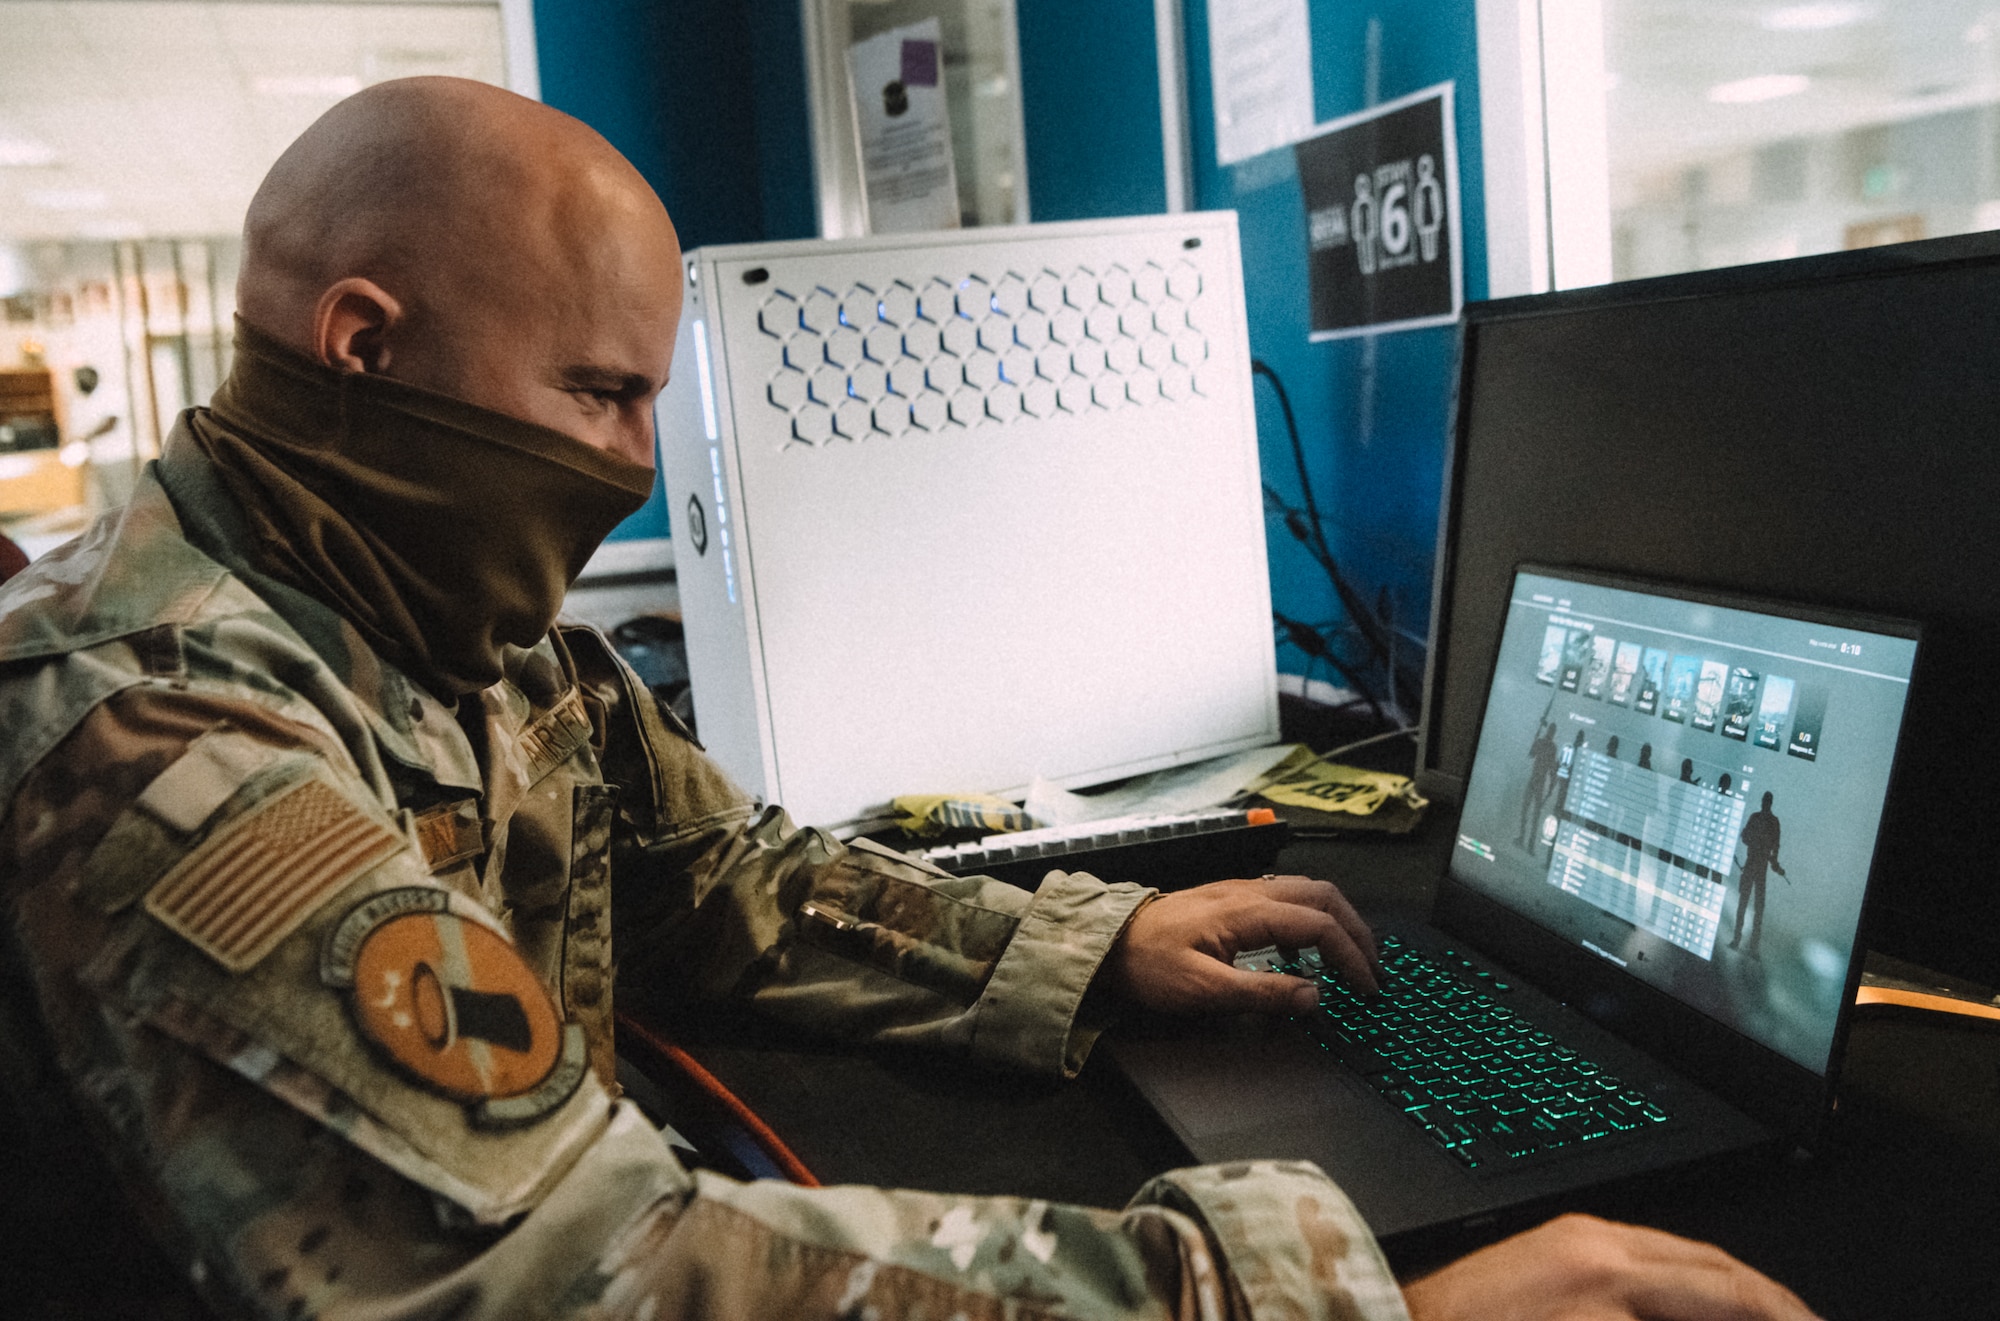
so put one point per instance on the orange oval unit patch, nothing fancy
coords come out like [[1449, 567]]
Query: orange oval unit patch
[[446, 998]]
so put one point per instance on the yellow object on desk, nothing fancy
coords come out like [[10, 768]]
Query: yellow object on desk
[[1302, 780], [928, 815]]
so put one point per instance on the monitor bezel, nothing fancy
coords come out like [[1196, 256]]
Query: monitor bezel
[[1935, 903], [1941, 254]]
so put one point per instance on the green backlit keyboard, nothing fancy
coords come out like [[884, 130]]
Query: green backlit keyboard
[[1485, 1084]]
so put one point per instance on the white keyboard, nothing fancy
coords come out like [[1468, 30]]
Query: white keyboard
[[1053, 843]]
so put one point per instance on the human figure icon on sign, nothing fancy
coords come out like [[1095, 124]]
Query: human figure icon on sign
[[1365, 223], [1430, 206]]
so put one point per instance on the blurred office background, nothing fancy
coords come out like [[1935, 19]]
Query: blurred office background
[[132, 135], [1743, 133]]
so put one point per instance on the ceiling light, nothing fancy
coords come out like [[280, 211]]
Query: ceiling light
[[1764, 87], [1813, 18], [69, 199], [308, 84], [26, 151]]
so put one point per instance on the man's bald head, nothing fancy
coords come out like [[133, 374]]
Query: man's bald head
[[459, 237]]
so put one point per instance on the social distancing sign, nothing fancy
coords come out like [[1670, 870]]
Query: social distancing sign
[[1382, 218]]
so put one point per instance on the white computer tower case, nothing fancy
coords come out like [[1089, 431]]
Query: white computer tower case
[[956, 510]]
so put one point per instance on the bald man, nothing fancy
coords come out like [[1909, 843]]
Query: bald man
[[320, 837]]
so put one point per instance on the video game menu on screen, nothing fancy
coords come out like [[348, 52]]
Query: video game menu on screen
[[1691, 791]]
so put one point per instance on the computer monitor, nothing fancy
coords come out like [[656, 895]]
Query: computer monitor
[[1821, 431]]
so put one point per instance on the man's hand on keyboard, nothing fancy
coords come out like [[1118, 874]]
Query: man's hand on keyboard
[[1176, 954], [1578, 1268]]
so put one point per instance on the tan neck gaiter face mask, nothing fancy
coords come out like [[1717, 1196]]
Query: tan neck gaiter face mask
[[441, 530]]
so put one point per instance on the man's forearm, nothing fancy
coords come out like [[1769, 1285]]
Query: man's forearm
[[863, 944]]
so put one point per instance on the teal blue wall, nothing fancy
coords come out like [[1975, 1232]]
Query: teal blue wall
[[1373, 419], [1375, 431], [1091, 108], [708, 99]]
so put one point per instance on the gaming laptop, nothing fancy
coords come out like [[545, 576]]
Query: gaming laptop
[[1645, 945]]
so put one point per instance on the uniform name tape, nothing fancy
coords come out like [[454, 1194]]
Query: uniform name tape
[[450, 834], [553, 738]]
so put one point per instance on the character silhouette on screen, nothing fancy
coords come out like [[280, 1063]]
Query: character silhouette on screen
[[1687, 771], [1645, 756], [1760, 850], [1722, 785], [1542, 758], [1611, 748], [1572, 756]]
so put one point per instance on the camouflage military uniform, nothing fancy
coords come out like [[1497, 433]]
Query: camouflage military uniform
[[263, 1065]]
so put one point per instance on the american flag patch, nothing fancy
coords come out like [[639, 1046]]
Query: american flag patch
[[258, 877]]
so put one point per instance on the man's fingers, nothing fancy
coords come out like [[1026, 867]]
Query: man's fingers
[[1326, 897], [1294, 925], [1685, 1278], [1678, 1279], [1234, 991], [1175, 954], [1694, 1295], [1581, 1266]]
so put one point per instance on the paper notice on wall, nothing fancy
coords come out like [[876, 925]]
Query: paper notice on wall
[[1260, 64], [897, 79]]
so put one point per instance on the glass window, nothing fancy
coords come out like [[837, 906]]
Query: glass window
[[979, 70], [1630, 138], [1740, 132]]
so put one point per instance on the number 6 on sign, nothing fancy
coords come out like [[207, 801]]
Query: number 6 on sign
[[1396, 219]]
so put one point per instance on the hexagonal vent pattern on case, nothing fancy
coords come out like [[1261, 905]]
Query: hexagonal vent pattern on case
[[936, 354]]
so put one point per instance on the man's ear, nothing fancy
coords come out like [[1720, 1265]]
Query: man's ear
[[352, 325]]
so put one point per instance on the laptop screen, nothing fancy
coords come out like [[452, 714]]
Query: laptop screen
[[1690, 791]]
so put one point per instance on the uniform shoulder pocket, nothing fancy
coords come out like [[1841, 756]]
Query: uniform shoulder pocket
[[258, 876], [172, 815], [400, 1016]]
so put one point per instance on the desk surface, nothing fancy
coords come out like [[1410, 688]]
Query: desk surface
[[1898, 1218]]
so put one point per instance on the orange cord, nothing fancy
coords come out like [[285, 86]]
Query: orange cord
[[1943, 1004], [765, 1137]]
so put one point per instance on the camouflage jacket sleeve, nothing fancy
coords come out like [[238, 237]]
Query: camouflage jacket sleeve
[[280, 1198], [716, 896]]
